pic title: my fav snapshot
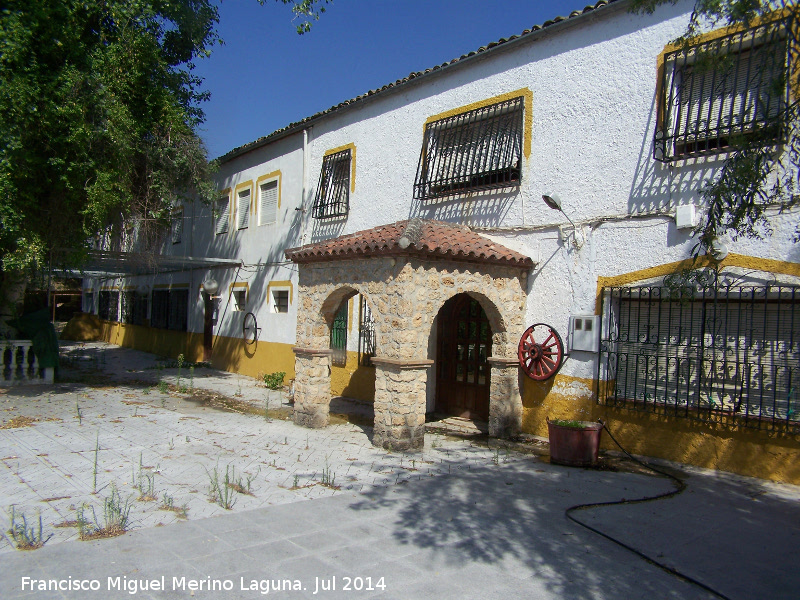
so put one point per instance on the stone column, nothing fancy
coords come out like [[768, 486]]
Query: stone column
[[312, 386], [400, 402], [505, 402]]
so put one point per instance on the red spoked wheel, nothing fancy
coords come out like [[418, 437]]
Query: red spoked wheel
[[540, 351]]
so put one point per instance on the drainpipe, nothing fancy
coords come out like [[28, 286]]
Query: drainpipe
[[305, 187]]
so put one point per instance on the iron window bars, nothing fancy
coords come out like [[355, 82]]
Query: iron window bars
[[108, 305], [134, 308], [366, 334], [732, 86], [472, 151], [727, 354], [170, 310], [339, 337], [333, 191]]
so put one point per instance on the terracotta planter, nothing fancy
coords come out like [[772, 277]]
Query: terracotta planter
[[574, 446]]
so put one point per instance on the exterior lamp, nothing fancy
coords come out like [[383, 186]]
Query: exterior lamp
[[210, 286], [554, 202]]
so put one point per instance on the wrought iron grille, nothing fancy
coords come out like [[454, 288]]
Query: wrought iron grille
[[108, 305], [159, 312], [339, 337], [714, 353], [473, 151], [170, 310], [714, 92], [333, 191], [366, 334]]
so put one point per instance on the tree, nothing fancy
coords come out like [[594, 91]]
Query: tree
[[99, 110], [756, 176]]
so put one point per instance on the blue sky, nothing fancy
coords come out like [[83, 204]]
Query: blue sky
[[265, 76]]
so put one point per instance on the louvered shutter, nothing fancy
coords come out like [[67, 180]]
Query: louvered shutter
[[243, 209], [223, 210], [268, 211]]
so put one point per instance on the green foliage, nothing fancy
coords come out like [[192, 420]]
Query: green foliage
[[26, 537], [274, 381], [756, 177], [305, 11], [569, 423]]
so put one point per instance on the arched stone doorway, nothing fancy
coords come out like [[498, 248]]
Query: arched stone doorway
[[463, 347], [408, 270]]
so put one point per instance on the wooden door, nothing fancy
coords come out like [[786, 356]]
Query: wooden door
[[464, 344]]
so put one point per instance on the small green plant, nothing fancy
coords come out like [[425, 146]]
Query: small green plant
[[146, 391], [168, 503], [296, 480], [180, 368], [172, 444], [221, 492], [26, 537], [274, 381], [78, 413], [116, 517], [328, 477], [163, 386], [94, 471], [569, 423], [146, 484]]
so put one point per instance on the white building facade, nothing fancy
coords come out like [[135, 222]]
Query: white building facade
[[396, 249]]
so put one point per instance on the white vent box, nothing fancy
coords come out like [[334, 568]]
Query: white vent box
[[686, 216], [584, 333]]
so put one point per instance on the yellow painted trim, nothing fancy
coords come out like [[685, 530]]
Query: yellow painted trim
[[711, 36], [114, 288], [269, 177], [352, 148], [755, 263], [350, 305], [524, 93], [282, 284]]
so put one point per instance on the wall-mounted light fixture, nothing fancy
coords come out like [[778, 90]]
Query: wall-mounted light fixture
[[210, 286], [554, 202]]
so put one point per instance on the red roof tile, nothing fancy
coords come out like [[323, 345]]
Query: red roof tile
[[416, 237]]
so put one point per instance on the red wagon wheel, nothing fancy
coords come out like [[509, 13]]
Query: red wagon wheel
[[540, 351]]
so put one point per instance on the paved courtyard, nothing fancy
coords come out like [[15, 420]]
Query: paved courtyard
[[461, 519]]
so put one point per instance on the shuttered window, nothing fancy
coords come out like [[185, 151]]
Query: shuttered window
[[731, 86], [223, 214], [268, 206], [243, 210]]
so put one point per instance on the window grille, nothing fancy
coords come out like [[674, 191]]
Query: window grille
[[724, 88], [222, 212], [134, 308], [176, 226], [243, 210], [476, 150], [366, 334], [339, 336], [708, 353], [268, 210], [159, 312], [333, 190], [108, 305], [170, 310]]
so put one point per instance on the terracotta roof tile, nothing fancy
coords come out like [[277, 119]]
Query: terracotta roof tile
[[416, 237], [304, 122]]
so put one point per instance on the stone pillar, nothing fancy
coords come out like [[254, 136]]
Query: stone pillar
[[400, 402], [505, 402], [312, 387]]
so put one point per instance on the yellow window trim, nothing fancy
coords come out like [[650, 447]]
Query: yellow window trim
[[755, 263], [282, 284], [794, 77], [269, 177], [524, 93], [352, 148]]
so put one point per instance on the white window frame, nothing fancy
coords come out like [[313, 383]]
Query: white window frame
[[273, 304]]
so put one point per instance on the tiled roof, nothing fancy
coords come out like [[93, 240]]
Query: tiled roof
[[412, 76], [415, 237]]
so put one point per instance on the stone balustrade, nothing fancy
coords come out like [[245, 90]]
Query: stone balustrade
[[20, 366]]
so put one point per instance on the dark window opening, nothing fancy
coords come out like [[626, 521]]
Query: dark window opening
[[170, 310], [473, 151], [366, 334], [339, 337], [725, 92], [333, 190], [108, 305], [281, 301], [708, 353], [134, 308]]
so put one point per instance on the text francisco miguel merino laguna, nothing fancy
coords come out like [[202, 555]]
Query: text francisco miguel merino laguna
[[263, 586]]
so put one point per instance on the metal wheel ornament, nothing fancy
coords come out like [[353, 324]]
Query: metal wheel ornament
[[540, 351], [250, 329]]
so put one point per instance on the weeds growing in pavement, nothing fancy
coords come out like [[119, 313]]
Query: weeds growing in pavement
[[328, 477], [94, 470], [146, 484], [26, 537], [116, 517], [163, 386], [168, 503], [180, 368], [78, 413], [221, 492]]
